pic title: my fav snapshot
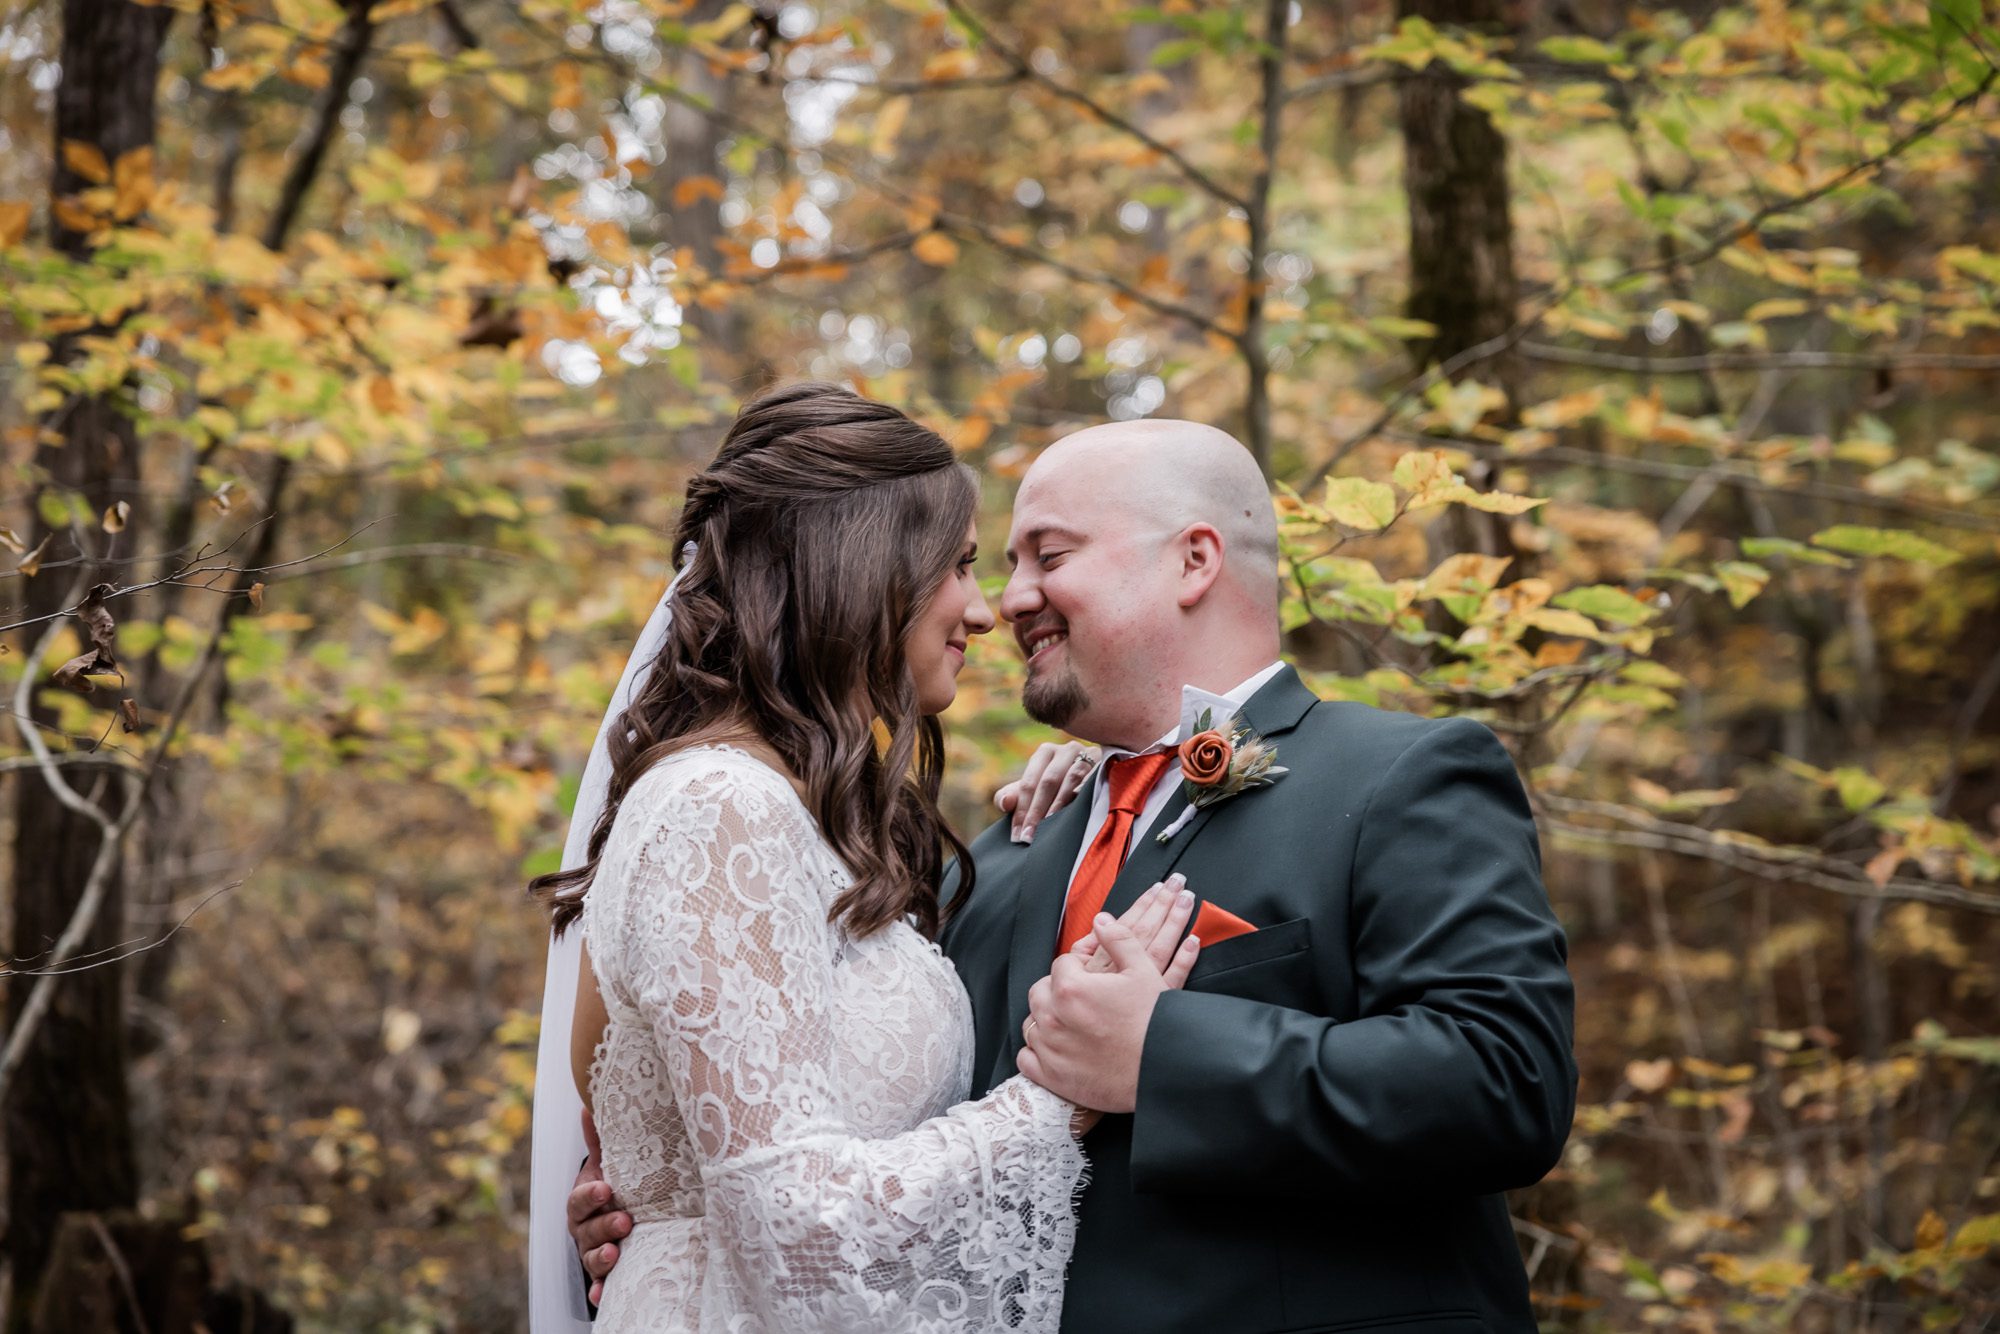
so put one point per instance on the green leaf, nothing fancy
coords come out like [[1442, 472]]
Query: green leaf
[[1607, 603], [1786, 549], [1360, 503], [1856, 540], [1858, 788], [1953, 21], [1168, 54], [1578, 50]]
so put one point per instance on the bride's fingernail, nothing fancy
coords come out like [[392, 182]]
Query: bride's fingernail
[[1185, 898]]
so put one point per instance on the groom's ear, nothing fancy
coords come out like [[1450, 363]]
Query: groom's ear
[[1200, 549]]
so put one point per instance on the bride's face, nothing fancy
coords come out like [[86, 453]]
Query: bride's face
[[936, 644]]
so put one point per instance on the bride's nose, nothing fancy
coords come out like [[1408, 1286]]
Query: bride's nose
[[978, 616]]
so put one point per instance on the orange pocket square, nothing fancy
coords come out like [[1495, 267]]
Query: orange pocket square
[[1213, 924]]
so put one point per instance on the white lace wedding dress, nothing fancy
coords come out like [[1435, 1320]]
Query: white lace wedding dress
[[776, 1100]]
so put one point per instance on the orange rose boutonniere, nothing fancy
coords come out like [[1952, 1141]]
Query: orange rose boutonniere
[[1217, 764], [1205, 758]]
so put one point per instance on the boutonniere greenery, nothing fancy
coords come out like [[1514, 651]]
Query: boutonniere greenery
[[1218, 763]]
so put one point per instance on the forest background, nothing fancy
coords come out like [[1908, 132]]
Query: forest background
[[1624, 375]]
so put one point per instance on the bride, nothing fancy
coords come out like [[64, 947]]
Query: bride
[[775, 1053]]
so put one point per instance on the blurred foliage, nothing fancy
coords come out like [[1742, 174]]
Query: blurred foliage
[[1717, 555]]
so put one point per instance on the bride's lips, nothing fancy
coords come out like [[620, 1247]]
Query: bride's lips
[[958, 649]]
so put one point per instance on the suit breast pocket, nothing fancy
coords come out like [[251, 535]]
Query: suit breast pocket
[[1271, 964]]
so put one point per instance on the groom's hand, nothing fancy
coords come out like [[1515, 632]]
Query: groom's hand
[[594, 1224], [1086, 1030]]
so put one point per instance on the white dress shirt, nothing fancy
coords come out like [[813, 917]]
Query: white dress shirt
[[1193, 701]]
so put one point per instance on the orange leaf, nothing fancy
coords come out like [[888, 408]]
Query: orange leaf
[[86, 160], [972, 433], [694, 188], [14, 219], [936, 248], [72, 214], [569, 87]]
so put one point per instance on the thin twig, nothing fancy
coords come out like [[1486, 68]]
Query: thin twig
[[1023, 66], [1554, 296], [97, 885], [1759, 361], [1738, 477], [964, 226], [1768, 861]]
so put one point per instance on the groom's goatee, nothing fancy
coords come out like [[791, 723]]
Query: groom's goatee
[[1055, 698]]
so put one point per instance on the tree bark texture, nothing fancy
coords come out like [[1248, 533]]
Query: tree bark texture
[[68, 1119], [1461, 231]]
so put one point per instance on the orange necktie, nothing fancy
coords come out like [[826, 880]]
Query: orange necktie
[[1131, 778]]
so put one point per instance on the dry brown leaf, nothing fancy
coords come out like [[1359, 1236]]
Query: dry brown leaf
[[128, 713], [102, 631], [115, 517], [256, 596], [31, 564]]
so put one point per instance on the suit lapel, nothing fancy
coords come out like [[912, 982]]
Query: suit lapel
[[1044, 881], [1275, 709]]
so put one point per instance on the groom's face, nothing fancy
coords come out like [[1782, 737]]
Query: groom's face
[[1089, 598]]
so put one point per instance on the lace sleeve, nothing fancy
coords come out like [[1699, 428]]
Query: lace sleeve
[[963, 1223]]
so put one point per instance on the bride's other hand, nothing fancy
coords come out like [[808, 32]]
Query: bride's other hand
[[1054, 774], [1085, 1031], [596, 1224], [1156, 920]]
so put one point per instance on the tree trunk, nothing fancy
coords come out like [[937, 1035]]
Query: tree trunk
[[1461, 233], [68, 1119], [1461, 241]]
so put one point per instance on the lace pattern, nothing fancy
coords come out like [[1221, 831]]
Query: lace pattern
[[775, 1100]]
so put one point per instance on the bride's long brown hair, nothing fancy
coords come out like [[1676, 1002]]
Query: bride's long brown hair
[[822, 528]]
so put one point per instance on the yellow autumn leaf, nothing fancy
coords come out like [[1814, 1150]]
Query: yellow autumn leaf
[[132, 181], [888, 124], [86, 160], [1465, 572], [512, 85], [936, 248]]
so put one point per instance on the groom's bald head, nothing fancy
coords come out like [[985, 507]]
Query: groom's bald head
[[1152, 546], [1170, 474]]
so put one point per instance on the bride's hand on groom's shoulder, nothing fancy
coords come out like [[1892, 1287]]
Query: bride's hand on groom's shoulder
[[1052, 778], [1086, 1028]]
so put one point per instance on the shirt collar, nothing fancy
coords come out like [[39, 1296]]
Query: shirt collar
[[1222, 709]]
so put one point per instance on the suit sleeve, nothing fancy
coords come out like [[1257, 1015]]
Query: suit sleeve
[[1458, 1075]]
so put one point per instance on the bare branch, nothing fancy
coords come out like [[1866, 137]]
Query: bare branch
[[1739, 478], [1021, 65], [952, 222], [1766, 861], [1554, 296], [1759, 361], [312, 144], [96, 887]]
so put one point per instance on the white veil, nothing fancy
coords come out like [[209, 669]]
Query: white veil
[[556, 1291]]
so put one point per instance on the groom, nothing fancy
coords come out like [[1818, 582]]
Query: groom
[[1375, 1042]]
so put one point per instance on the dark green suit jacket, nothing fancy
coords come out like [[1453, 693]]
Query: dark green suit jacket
[[1328, 1113]]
